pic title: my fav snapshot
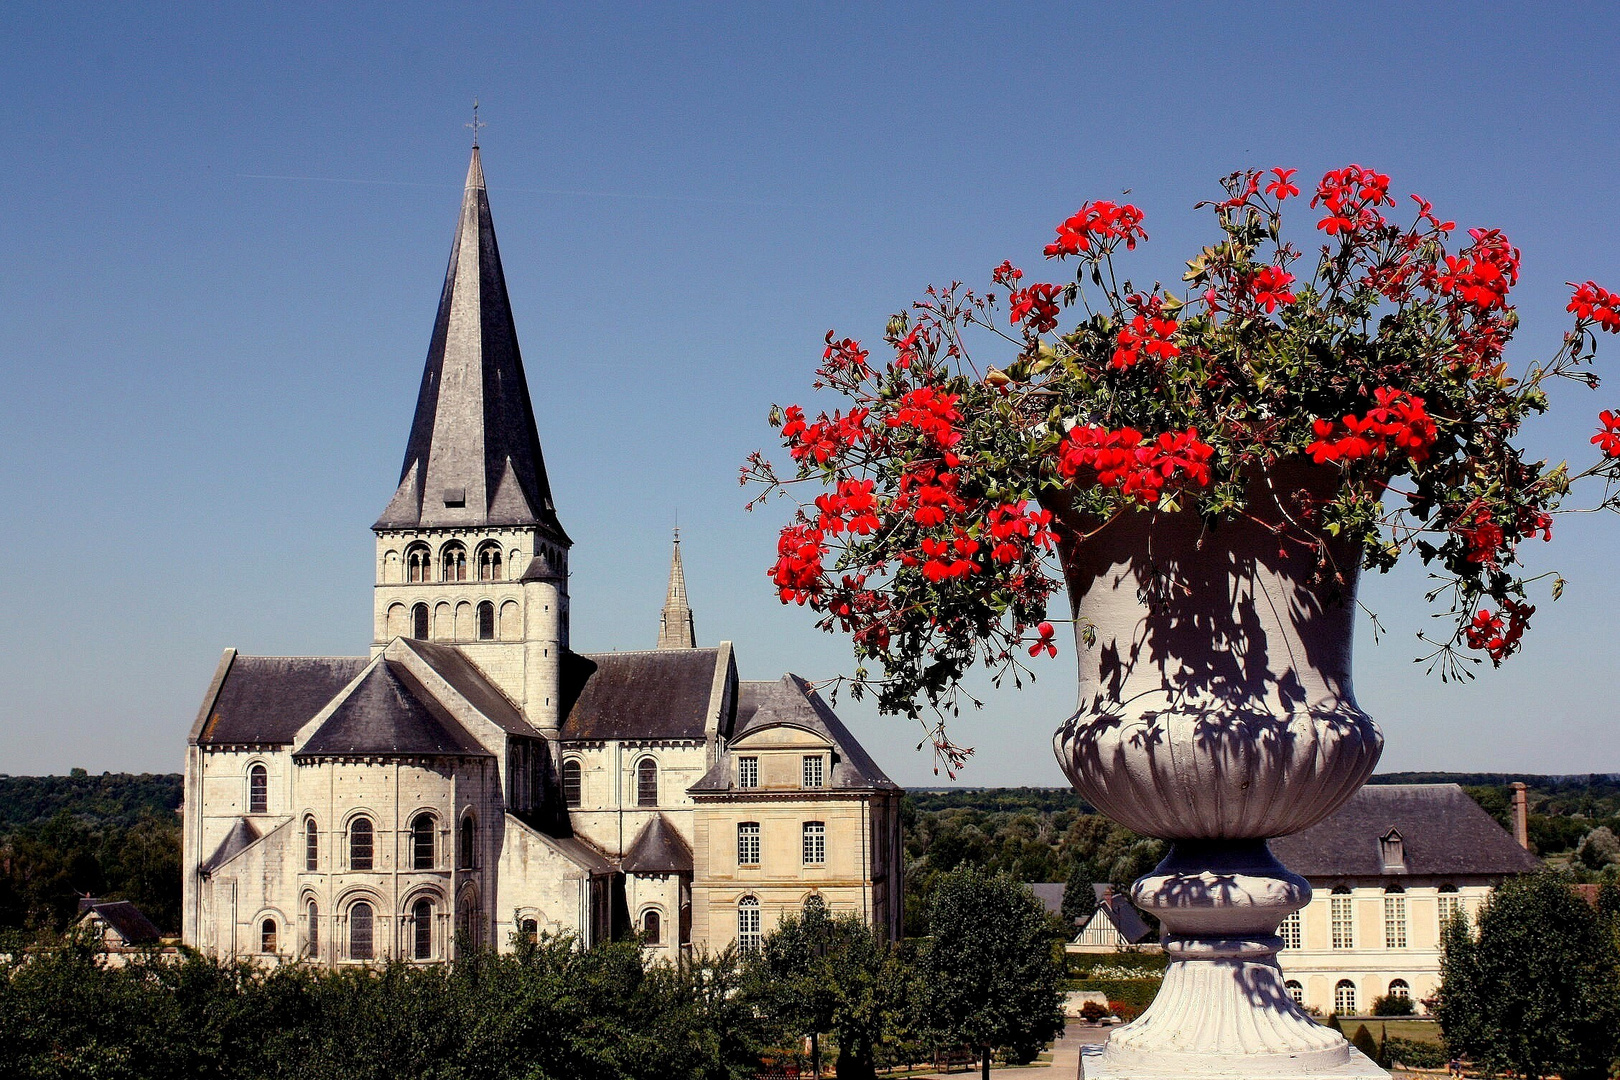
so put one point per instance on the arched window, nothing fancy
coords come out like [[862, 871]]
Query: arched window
[[647, 782], [419, 622], [312, 845], [422, 929], [467, 920], [1394, 917], [530, 929], [489, 563], [748, 935], [469, 842], [417, 562], [486, 621], [360, 844], [453, 563], [312, 931], [1398, 988], [1344, 998], [422, 842], [258, 790], [267, 937], [1296, 992], [360, 932], [572, 787], [651, 926], [815, 843]]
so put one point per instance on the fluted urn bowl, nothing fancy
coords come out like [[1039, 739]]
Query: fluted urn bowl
[[1216, 711]]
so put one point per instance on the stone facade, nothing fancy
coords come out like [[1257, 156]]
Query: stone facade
[[473, 779]]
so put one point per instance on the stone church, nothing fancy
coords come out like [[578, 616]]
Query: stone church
[[474, 779]]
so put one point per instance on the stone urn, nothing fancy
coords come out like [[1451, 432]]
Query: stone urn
[[1216, 711]]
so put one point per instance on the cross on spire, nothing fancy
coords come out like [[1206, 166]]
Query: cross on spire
[[476, 124]]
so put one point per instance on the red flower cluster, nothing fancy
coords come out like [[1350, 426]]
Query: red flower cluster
[[797, 573], [1282, 186], [1398, 420], [1140, 469], [1492, 634], [949, 558], [1015, 527], [1149, 333], [823, 439], [931, 412], [1592, 301], [1093, 226], [1044, 643], [1351, 196], [930, 496], [1270, 288], [1006, 274], [1482, 275], [1037, 304], [1483, 536], [852, 506], [1608, 440], [845, 356]]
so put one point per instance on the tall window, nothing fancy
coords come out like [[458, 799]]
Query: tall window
[[748, 843], [813, 771], [467, 920], [1394, 918], [469, 842], [1450, 905], [1344, 998], [530, 929], [815, 843], [453, 563], [312, 845], [258, 790], [360, 932], [489, 563], [748, 936], [748, 772], [312, 930], [651, 928], [1290, 931], [422, 930], [417, 561], [1398, 988], [267, 936], [360, 844], [486, 621], [422, 828], [1341, 916], [572, 786], [647, 783], [419, 622], [1296, 992]]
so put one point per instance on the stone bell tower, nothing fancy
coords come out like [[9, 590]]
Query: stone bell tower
[[469, 549]]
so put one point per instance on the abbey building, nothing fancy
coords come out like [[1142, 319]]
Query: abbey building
[[474, 779]]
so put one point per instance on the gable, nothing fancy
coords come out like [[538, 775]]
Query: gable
[[266, 699]]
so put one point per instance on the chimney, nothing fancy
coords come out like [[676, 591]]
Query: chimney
[[1521, 815]]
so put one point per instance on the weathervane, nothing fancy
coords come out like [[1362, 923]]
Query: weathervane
[[476, 124]]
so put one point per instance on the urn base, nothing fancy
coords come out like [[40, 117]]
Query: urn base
[[1095, 1066]]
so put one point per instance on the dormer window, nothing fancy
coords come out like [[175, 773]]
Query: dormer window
[[1392, 853], [814, 771], [748, 772]]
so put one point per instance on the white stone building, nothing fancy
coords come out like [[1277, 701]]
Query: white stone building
[[474, 778], [1386, 871]]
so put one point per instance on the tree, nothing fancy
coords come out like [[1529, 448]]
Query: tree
[[1079, 898], [989, 975], [1599, 848], [1538, 992]]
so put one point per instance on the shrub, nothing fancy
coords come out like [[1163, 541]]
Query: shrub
[[1411, 1053], [1124, 1010], [1393, 1005], [1363, 1040], [1092, 1012]]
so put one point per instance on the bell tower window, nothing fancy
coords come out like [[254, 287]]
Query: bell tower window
[[453, 563], [417, 561], [489, 562], [258, 790]]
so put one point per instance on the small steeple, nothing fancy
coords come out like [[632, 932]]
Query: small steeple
[[473, 458], [675, 629]]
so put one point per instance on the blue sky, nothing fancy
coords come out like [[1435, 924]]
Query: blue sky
[[210, 366]]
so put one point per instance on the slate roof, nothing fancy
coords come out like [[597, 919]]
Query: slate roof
[[473, 458], [389, 712], [241, 837], [1114, 906], [1443, 832], [656, 694], [452, 665], [125, 918], [658, 849], [266, 699], [792, 701]]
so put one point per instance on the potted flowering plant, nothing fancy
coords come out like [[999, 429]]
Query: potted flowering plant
[[1207, 470]]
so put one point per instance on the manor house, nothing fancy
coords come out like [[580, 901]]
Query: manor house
[[474, 779]]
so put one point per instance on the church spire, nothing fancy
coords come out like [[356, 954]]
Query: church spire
[[473, 458], [675, 629]]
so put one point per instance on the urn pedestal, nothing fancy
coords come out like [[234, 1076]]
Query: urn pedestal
[[1216, 712]]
